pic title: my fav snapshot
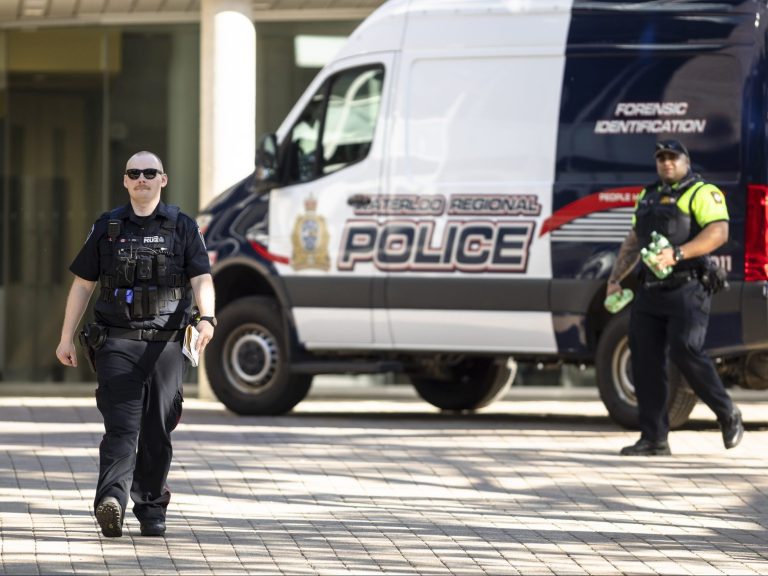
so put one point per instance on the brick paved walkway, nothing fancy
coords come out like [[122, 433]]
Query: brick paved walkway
[[390, 487]]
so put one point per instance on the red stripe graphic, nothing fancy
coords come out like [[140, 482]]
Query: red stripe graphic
[[597, 202], [262, 250]]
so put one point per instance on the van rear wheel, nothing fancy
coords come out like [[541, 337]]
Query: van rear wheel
[[464, 384], [614, 379], [247, 360]]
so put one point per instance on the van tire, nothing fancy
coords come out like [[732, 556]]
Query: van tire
[[471, 383], [613, 369], [247, 361]]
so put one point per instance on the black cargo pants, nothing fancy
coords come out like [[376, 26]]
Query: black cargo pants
[[672, 321], [140, 398]]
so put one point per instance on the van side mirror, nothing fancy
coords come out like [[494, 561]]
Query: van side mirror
[[266, 158]]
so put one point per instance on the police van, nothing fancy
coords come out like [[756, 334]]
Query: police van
[[452, 189]]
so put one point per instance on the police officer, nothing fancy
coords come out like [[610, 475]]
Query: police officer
[[145, 255], [672, 314]]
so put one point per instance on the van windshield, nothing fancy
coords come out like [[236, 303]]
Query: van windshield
[[337, 127]]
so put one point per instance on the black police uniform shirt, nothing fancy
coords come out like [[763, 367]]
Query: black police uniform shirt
[[189, 255]]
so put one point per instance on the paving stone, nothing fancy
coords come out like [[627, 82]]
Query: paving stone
[[524, 487]]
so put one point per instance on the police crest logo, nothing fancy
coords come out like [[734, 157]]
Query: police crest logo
[[310, 239]]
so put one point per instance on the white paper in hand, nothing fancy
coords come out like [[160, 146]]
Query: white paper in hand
[[190, 342]]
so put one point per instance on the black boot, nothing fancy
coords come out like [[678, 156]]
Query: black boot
[[108, 516], [153, 528], [733, 429], [645, 447]]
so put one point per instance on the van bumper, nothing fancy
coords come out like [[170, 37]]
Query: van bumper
[[754, 313], [739, 320]]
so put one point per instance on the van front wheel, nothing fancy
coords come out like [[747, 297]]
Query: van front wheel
[[465, 383], [613, 366], [247, 360]]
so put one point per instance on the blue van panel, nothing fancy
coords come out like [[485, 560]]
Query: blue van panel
[[686, 70]]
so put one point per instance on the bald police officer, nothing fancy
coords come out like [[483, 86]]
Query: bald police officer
[[671, 315], [145, 255]]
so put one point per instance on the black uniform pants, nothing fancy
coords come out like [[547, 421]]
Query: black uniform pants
[[140, 398], [672, 323]]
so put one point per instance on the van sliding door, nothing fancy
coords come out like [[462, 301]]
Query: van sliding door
[[472, 165]]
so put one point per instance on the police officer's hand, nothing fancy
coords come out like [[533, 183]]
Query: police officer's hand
[[612, 288], [66, 353], [205, 329], [665, 258]]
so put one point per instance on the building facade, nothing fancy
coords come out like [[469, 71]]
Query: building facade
[[84, 84]]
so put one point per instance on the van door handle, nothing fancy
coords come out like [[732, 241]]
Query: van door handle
[[359, 200]]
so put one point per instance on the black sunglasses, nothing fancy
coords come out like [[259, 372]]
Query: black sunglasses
[[149, 173]]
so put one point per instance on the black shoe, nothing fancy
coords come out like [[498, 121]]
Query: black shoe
[[153, 528], [645, 447], [733, 429], [108, 516]]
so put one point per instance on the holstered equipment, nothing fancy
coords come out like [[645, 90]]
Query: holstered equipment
[[92, 337], [709, 274], [713, 277]]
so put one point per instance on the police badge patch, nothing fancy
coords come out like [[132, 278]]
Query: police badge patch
[[310, 239]]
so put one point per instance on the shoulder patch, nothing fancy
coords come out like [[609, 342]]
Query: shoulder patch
[[717, 196], [200, 234]]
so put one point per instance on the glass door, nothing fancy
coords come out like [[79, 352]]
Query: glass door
[[50, 210]]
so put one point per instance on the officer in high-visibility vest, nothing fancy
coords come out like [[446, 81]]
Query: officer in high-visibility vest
[[669, 316], [145, 255]]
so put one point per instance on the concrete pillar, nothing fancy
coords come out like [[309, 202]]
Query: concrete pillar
[[227, 102]]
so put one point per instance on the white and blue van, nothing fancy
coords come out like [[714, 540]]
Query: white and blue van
[[451, 191]]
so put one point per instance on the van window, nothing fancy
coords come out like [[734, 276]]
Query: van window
[[303, 141], [337, 127], [350, 121]]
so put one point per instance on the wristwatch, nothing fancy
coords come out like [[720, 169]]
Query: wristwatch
[[210, 319], [678, 253]]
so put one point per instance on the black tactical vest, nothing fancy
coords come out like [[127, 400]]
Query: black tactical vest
[[141, 276], [658, 211]]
